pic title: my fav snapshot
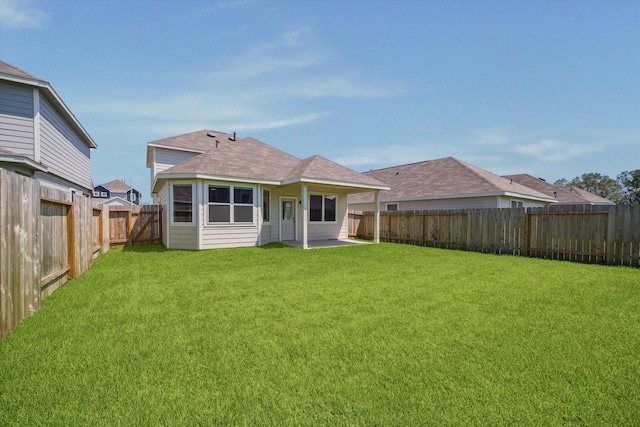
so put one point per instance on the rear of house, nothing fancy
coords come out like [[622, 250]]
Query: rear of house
[[221, 191]]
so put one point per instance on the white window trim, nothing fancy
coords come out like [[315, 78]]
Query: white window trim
[[194, 210], [231, 205], [265, 221], [323, 221], [104, 194]]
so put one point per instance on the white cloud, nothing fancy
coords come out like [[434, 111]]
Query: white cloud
[[498, 135], [556, 151], [20, 14]]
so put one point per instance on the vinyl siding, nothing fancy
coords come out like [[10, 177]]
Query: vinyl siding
[[16, 119], [265, 235], [228, 236], [62, 151], [57, 183], [162, 199], [183, 237], [166, 158]]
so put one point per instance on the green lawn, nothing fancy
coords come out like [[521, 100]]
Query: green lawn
[[367, 335]]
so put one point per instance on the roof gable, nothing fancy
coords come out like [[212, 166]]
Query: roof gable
[[116, 186], [319, 168]]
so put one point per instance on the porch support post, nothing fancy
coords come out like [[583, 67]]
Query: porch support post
[[260, 213], [376, 219], [305, 208]]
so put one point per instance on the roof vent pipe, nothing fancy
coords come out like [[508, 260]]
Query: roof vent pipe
[[234, 137], [217, 143]]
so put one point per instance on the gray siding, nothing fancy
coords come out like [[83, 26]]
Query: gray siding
[[166, 158], [62, 151], [16, 119]]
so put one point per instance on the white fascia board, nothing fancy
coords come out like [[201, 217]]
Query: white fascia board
[[45, 85], [366, 187], [168, 176], [24, 160]]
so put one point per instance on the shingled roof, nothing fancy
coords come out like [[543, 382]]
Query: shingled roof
[[228, 157], [568, 195], [15, 71], [116, 186], [445, 177]]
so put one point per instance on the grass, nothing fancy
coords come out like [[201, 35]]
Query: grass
[[367, 335]]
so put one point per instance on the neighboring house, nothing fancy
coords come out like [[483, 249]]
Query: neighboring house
[[114, 201], [446, 183], [220, 191], [39, 136], [116, 190], [567, 195]]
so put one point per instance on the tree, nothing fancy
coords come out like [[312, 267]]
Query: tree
[[561, 182], [629, 182], [600, 185]]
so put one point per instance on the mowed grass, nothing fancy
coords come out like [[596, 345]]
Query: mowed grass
[[368, 335]]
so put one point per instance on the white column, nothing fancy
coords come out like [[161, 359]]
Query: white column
[[305, 215], [376, 219], [260, 206]]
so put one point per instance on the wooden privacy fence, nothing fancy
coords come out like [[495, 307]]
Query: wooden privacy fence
[[602, 234], [47, 237], [135, 225]]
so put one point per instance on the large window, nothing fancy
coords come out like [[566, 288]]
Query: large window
[[182, 203], [322, 207], [230, 204]]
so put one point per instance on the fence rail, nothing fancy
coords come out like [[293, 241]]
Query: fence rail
[[593, 234], [46, 238]]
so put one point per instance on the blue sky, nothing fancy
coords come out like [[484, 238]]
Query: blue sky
[[546, 88]]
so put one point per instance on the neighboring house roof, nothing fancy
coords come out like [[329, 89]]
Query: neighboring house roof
[[568, 195], [443, 178], [13, 74], [114, 201], [251, 160], [116, 186]]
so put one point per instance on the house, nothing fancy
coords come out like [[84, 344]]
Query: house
[[39, 136], [116, 193], [567, 195], [447, 183], [221, 191]]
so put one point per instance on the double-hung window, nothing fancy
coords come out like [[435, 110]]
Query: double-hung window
[[322, 208], [230, 204]]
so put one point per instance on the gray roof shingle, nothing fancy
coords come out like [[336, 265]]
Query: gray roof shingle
[[564, 195], [439, 178], [248, 158]]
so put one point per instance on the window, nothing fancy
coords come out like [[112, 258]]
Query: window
[[223, 208], [266, 204], [133, 197], [182, 203], [392, 206], [104, 194], [96, 194], [322, 208], [515, 204]]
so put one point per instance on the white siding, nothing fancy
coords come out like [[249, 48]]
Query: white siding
[[166, 158], [228, 236], [265, 235], [162, 198], [183, 237], [62, 151], [16, 119]]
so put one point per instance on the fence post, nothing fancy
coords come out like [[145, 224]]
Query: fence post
[[611, 229], [525, 243], [71, 241]]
